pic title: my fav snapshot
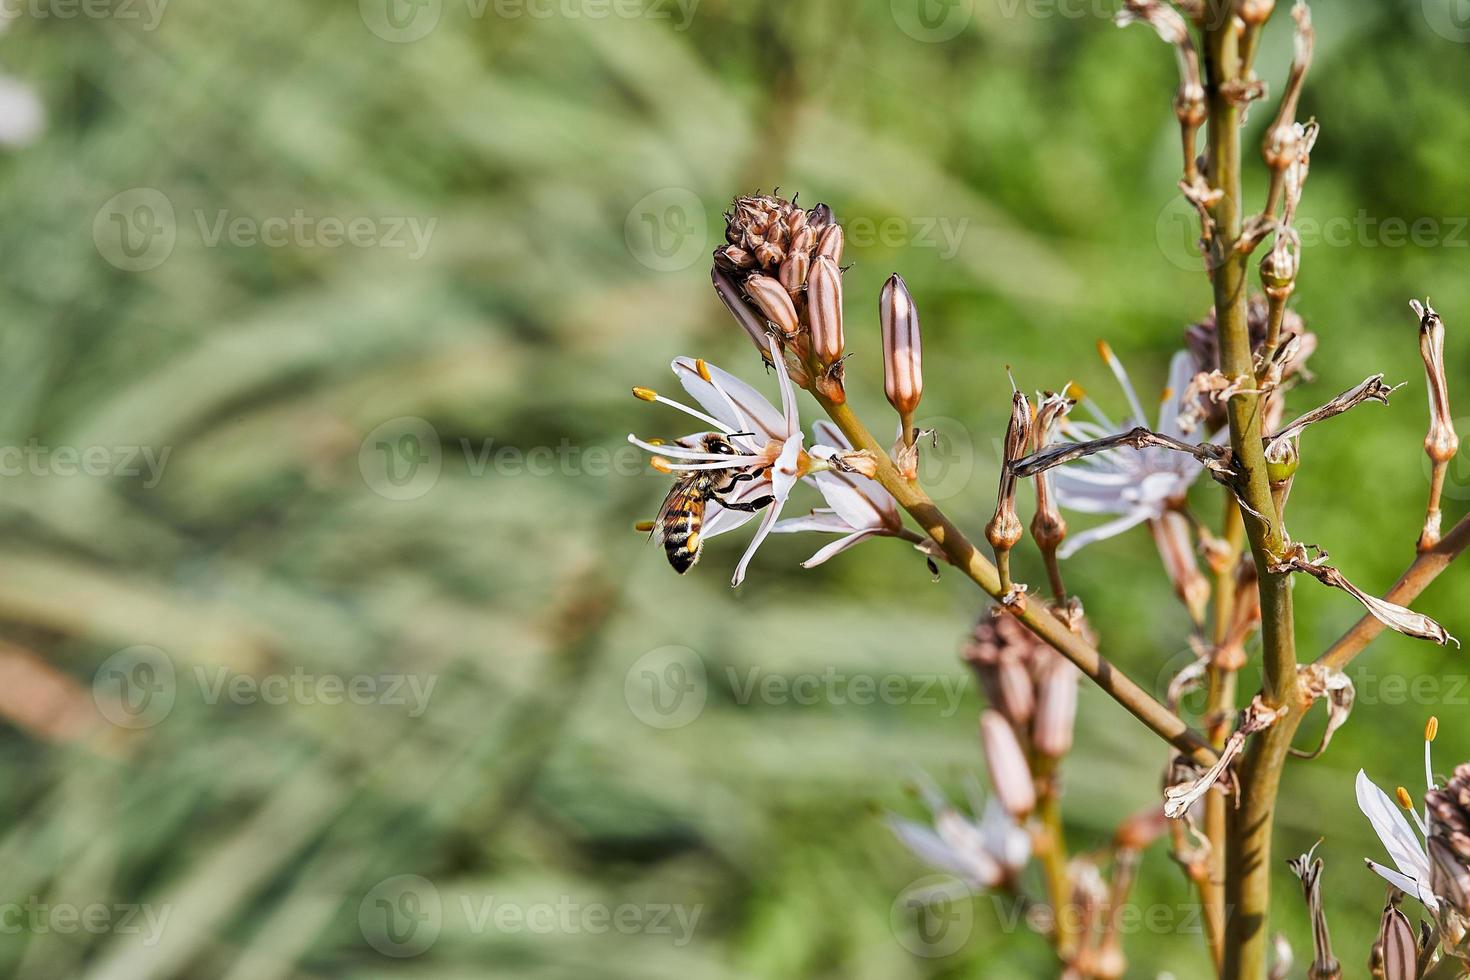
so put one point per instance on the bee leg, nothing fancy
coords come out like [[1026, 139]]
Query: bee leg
[[749, 506]]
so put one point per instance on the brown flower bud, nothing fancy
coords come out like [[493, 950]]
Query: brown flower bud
[[748, 318], [1056, 709], [1000, 652], [1010, 775], [1442, 443], [771, 298], [903, 378], [831, 242], [794, 272], [824, 309]]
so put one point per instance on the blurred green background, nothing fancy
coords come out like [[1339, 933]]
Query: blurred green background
[[377, 277]]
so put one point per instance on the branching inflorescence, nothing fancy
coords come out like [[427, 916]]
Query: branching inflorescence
[[780, 276]]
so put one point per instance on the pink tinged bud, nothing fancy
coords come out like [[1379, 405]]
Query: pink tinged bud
[[824, 309], [771, 298], [794, 272], [1397, 946], [804, 240], [903, 378], [1009, 774], [1176, 550], [751, 321], [1011, 691], [830, 244], [1056, 710]]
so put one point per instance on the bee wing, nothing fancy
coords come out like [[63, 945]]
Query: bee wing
[[685, 496]]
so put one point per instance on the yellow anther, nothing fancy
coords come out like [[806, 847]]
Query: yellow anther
[[1074, 391], [647, 394], [1405, 800], [661, 464], [643, 526], [1431, 729], [1104, 351], [1167, 395], [702, 368]]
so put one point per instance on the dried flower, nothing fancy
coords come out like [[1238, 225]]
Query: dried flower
[[1009, 773], [1004, 530], [1449, 839], [1441, 443], [984, 854], [1308, 867], [903, 377], [1391, 614], [1179, 797]]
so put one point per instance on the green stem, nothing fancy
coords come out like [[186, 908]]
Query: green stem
[[1248, 877], [963, 555]]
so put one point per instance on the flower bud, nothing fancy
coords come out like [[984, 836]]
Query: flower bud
[[1056, 709], [794, 272], [1004, 530], [771, 298], [824, 309], [1009, 774], [831, 242], [903, 378], [1442, 443], [751, 321]]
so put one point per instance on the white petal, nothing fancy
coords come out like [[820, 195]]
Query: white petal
[[1077, 542], [723, 520], [974, 866], [768, 521], [824, 521], [826, 432], [1407, 885], [845, 495], [837, 547], [1003, 837], [751, 412], [788, 392], [1393, 830], [1181, 373], [783, 471]]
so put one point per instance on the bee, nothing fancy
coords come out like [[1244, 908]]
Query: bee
[[680, 518]]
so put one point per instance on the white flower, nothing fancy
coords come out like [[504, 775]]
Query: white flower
[[1137, 484], [858, 508], [770, 458], [1408, 850], [983, 854]]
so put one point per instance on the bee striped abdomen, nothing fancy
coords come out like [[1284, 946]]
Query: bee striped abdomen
[[682, 542], [680, 521]]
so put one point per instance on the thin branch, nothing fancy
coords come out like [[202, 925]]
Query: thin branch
[[1214, 457], [964, 556]]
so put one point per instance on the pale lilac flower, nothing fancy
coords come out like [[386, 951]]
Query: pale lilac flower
[[983, 854], [1136, 484], [768, 444], [857, 508]]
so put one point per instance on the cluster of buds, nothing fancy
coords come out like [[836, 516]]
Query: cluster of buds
[[780, 273], [1032, 692], [1449, 840]]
